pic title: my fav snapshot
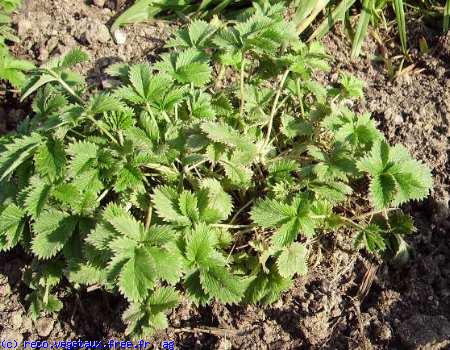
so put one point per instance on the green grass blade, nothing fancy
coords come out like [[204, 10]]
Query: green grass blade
[[140, 11], [335, 16], [446, 16], [303, 9], [320, 5], [401, 23], [361, 30]]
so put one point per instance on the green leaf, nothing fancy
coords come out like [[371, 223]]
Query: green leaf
[[17, 152], [200, 245], [129, 177], [163, 299], [137, 276], [165, 201], [127, 225], [219, 204], [52, 230], [221, 284], [401, 23], [37, 195], [50, 159], [271, 213], [293, 260], [84, 156], [141, 10], [11, 226], [167, 265], [371, 237]]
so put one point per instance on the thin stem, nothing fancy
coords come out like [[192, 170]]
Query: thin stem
[[102, 129], [66, 87], [275, 104], [195, 165], [232, 226], [148, 217], [246, 205], [220, 76], [241, 84], [352, 223]]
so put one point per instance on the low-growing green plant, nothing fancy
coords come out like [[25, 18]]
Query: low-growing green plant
[[305, 13], [11, 69], [176, 184]]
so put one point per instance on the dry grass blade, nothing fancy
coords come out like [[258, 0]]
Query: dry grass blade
[[363, 24], [401, 23], [335, 16]]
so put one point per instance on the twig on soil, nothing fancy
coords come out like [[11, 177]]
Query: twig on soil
[[220, 332]]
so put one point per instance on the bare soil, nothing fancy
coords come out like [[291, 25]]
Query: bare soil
[[349, 300]]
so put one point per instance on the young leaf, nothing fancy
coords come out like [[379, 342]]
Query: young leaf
[[292, 260]]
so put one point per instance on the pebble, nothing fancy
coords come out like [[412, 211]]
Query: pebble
[[44, 326], [120, 37], [103, 34], [16, 320]]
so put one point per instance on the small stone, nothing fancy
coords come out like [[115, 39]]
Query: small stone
[[44, 326], [120, 37], [99, 3], [16, 320], [43, 54], [27, 324], [103, 33]]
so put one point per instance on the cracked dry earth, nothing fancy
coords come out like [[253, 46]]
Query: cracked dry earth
[[348, 300]]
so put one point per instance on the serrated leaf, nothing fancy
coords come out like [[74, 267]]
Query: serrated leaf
[[165, 202], [221, 284], [50, 159], [52, 230], [219, 204], [137, 276], [11, 219], [292, 260], [163, 299], [271, 213], [200, 245], [17, 152], [371, 237], [37, 195], [127, 225]]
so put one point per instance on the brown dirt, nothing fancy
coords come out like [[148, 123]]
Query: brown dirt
[[348, 300]]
